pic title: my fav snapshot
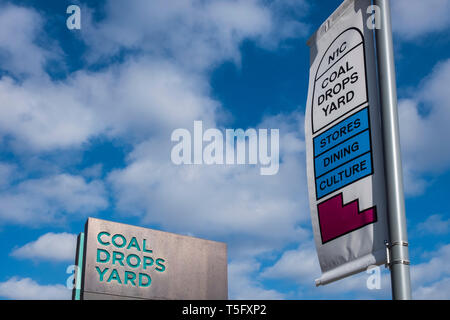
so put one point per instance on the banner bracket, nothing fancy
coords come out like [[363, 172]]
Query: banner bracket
[[388, 254], [388, 245], [398, 243]]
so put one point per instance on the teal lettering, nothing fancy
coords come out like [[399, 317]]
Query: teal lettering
[[132, 279], [148, 261], [101, 273], [124, 241], [99, 251], [134, 243], [114, 276], [161, 267], [138, 261], [99, 239], [142, 284], [144, 247], [117, 256]]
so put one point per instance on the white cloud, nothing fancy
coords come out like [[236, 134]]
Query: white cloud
[[51, 199], [299, 265], [94, 171], [196, 34], [135, 99], [427, 280], [288, 21], [50, 246], [430, 279], [440, 290], [158, 87], [27, 289], [7, 171], [141, 100], [413, 182], [433, 269], [434, 224], [424, 119], [19, 53], [140, 96], [242, 283], [414, 18], [45, 115], [254, 212]]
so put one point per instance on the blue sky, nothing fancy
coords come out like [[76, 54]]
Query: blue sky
[[86, 117]]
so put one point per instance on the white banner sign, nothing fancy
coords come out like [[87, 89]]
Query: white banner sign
[[344, 145]]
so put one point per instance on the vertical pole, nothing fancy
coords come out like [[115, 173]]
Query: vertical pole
[[400, 278]]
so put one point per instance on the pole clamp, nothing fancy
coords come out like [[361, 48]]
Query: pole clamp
[[405, 262], [389, 262], [396, 243]]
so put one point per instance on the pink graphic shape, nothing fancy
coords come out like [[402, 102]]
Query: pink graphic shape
[[337, 219]]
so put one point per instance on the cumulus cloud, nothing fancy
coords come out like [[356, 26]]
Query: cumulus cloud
[[196, 34], [135, 99], [432, 270], [288, 21], [50, 246], [424, 119], [413, 181], [415, 18], [51, 199], [94, 171], [434, 224], [44, 115], [254, 212], [243, 285], [429, 279], [440, 290], [7, 172], [160, 84], [27, 289], [160, 87], [300, 265], [19, 29]]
